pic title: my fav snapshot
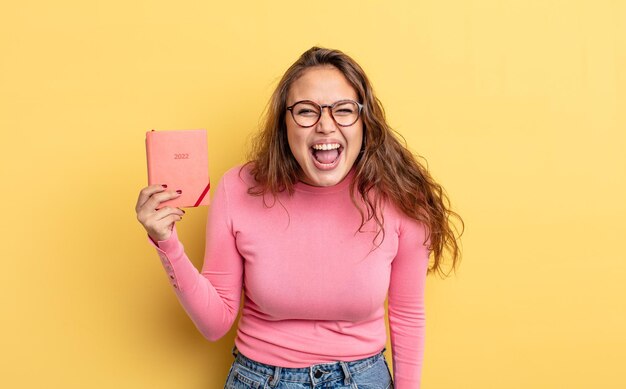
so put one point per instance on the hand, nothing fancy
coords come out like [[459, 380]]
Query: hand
[[157, 222]]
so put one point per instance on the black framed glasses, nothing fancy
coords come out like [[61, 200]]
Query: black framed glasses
[[307, 113]]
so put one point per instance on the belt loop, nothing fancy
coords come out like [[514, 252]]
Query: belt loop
[[346, 373], [276, 376], [234, 351]]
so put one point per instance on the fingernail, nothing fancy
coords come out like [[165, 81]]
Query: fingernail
[[163, 185], [179, 191]]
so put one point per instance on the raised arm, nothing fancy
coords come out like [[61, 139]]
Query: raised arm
[[211, 297]]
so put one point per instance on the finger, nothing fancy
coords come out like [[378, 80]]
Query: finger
[[166, 212], [168, 222], [157, 198], [163, 225], [145, 194]]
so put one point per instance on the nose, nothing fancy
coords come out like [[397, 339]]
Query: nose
[[326, 124]]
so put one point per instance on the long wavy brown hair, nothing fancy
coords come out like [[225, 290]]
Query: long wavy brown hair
[[384, 170]]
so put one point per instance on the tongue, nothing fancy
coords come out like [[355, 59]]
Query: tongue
[[326, 156]]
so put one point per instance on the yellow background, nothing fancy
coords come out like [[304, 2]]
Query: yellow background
[[519, 107]]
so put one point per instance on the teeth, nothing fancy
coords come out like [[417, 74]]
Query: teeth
[[326, 146]]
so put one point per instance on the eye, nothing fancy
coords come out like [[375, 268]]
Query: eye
[[344, 109], [306, 112]]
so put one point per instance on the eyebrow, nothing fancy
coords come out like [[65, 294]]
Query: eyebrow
[[342, 99]]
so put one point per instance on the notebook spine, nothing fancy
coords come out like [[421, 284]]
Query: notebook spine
[[149, 157]]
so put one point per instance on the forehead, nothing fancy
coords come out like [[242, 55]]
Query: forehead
[[322, 84]]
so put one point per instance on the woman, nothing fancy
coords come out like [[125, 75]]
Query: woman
[[331, 213]]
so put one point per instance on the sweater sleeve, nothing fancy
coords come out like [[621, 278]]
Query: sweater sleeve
[[211, 297], [406, 305]]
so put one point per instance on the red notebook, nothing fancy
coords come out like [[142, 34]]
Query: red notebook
[[179, 159]]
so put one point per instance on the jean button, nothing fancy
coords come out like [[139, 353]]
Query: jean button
[[318, 374]]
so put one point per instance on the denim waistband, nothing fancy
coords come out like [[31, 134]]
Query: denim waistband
[[315, 373]]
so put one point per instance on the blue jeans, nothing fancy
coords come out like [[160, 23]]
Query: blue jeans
[[371, 373]]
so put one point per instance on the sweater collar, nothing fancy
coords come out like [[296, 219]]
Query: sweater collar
[[342, 185]]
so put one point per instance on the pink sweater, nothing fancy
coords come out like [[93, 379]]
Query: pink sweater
[[314, 288]]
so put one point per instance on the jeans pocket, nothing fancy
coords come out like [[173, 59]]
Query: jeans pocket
[[240, 377], [376, 376], [389, 371]]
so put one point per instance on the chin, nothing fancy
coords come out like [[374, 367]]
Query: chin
[[315, 177]]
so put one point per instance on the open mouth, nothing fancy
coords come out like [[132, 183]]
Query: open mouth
[[326, 155]]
